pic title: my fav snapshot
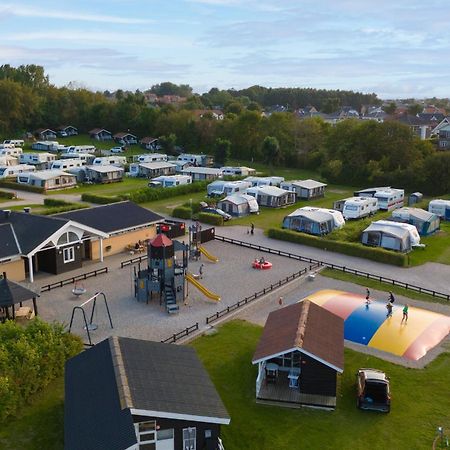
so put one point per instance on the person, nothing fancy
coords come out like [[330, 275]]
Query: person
[[200, 271], [391, 297], [389, 309], [405, 313], [367, 296], [262, 260], [252, 228], [280, 301]]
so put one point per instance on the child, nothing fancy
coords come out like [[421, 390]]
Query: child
[[367, 296], [389, 309], [405, 313]]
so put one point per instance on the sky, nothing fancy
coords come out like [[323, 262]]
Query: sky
[[395, 48]]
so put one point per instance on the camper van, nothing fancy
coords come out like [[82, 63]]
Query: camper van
[[390, 199], [150, 157], [64, 164], [170, 181], [218, 188], [13, 171], [80, 149], [359, 207], [441, 208], [14, 142], [11, 151], [118, 161]]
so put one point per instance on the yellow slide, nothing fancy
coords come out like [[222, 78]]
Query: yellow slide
[[202, 288], [208, 255]]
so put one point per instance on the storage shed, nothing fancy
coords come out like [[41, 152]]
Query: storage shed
[[415, 197], [317, 221], [425, 222]]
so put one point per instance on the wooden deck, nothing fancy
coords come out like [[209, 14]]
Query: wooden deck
[[280, 393]]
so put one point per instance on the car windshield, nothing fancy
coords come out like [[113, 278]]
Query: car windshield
[[376, 392]]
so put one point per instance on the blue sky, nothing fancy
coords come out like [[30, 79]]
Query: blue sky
[[396, 48]]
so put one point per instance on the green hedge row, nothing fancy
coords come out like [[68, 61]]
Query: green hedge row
[[21, 187], [347, 248], [65, 208], [212, 219], [4, 194], [55, 202], [182, 212], [30, 358], [100, 199]]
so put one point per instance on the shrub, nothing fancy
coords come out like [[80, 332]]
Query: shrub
[[100, 199], [65, 208], [21, 187], [212, 219], [4, 194], [54, 202], [30, 358], [347, 248], [182, 212]]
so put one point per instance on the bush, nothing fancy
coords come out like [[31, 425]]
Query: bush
[[212, 219], [4, 194], [182, 212], [21, 187], [65, 208], [30, 358], [347, 248], [55, 202], [100, 199]]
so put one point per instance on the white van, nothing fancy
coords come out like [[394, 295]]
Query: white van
[[80, 149], [118, 161], [389, 199], [14, 142], [14, 151], [64, 164], [13, 171], [359, 207]]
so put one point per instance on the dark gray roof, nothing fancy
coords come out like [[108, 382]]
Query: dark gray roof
[[12, 293], [30, 229], [93, 417], [169, 378], [8, 243], [112, 217]]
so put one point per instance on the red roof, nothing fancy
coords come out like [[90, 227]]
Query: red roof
[[161, 240]]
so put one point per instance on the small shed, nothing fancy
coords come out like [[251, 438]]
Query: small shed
[[152, 169], [305, 189], [125, 138], [104, 174], [271, 196], [415, 197], [425, 222], [45, 134], [202, 173], [316, 221], [48, 179], [100, 134], [12, 294], [387, 236], [239, 205], [299, 355]]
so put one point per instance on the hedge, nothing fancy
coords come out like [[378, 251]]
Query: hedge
[[65, 208], [55, 202], [30, 358], [100, 199], [9, 195], [21, 187], [347, 248], [212, 219], [182, 212]]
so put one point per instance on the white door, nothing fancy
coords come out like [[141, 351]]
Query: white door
[[164, 440]]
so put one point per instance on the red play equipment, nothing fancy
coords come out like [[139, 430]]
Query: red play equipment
[[261, 264]]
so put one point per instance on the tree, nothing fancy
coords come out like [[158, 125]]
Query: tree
[[253, 106], [414, 109], [271, 151], [222, 151], [390, 109], [168, 143], [233, 107]]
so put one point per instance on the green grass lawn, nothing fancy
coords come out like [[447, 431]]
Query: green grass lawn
[[373, 284], [165, 206], [40, 425], [437, 247], [419, 402]]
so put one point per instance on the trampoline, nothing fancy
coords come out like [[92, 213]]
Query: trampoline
[[368, 324]]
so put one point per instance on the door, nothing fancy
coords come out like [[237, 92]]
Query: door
[[164, 440]]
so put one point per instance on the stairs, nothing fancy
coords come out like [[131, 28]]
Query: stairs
[[170, 300]]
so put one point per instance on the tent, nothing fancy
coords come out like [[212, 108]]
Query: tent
[[425, 222]]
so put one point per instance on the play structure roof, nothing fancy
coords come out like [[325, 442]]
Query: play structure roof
[[12, 293], [161, 240], [305, 327]]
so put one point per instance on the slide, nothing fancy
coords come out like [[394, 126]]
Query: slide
[[202, 288], [208, 255]]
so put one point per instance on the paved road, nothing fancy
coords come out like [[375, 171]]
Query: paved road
[[430, 275]]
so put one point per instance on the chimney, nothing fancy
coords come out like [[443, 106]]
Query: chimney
[[27, 209], [7, 213]]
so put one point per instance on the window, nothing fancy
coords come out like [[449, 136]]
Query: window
[[68, 254], [146, 435], [189, 438]]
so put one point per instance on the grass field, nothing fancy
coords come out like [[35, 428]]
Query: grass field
[[419, 404]]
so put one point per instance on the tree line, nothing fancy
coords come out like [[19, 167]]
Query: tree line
[[352, 152]]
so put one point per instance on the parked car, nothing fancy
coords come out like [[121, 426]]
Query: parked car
[[62, 133], [373, 390], [117, 150], [218, 212]]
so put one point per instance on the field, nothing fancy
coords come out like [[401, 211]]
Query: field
[[418, 405]]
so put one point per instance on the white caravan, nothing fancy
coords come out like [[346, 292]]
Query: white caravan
[[11, 151], [170, 181], [218, 188], [359, 207], [87, 158], [13, 171], [389, 199], [80, 149], [65, 164], [441, 208], [338, 218], [265, 181], [14, 142], [150, 157], [118, 161], [37, 158], [412, 230]]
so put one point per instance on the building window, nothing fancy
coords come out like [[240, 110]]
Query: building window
[[146, 435], [189, 438], [69, 254]]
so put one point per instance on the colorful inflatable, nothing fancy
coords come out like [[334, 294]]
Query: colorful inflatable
[[262, 266], [368, 324]]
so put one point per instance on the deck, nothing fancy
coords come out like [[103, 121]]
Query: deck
[[280, 393]]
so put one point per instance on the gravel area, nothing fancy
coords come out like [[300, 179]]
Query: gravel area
[[232, 278]]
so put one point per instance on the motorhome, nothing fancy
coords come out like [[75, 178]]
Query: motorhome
[[441, 208], [265, 181], [170, 181], [150, 157], [88, 158], [219, 187], [43, 160], [14, 142], [11, 151], [14, 171], [359, 207], [118, 161], [64, 164], [80, 149], [370, 192]]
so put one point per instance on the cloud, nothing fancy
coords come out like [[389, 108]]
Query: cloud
[[46, 13]]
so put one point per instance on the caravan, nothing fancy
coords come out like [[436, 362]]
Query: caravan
[[87, 158], [65, 164], [14, 142], [170, 181], [441, 208], [14, 171], [359, 207], [150, 157], [11, 151], [80, 149], [390, 199], [218, 188], [118, 161]]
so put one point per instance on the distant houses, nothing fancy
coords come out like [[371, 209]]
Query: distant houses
[[100, 134]]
